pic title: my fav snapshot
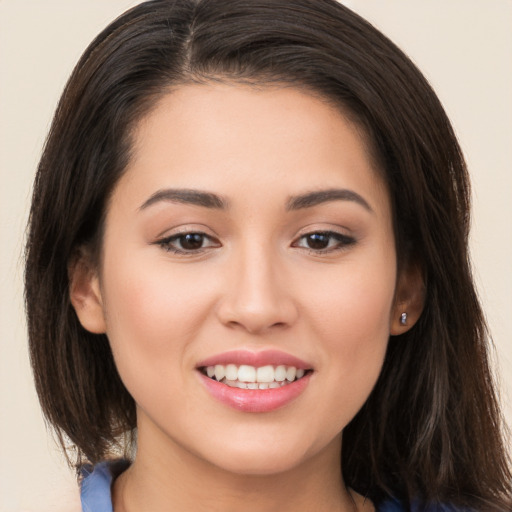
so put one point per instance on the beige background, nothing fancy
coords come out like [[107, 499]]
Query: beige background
[[463, 46]]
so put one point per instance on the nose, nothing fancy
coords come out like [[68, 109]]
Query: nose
[[258, 296]]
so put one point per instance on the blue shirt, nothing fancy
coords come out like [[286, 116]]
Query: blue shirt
[[96, 497], [95, 488]]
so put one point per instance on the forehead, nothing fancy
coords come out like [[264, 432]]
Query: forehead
[[229, 135]]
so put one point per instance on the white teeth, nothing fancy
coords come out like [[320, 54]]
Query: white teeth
[[291, 373], [265, 374], [252, 385], [231, 372], [247, 373], [220, 371], [280, 373], [250, 377]]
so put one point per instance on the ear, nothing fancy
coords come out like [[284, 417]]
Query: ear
[[409, 299], [85, 292]]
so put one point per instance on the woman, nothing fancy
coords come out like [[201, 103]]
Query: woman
[[248, 244]]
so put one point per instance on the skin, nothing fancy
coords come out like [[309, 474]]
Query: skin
[[254, 284]]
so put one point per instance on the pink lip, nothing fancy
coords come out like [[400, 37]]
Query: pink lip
[[253, 400], [257, 359]]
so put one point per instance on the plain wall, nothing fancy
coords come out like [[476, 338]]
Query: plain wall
[[463, 46]]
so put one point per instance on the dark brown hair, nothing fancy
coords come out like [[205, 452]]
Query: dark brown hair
[[431, 429]]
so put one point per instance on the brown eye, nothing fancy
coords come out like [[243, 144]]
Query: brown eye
[[318, 241], [324, 241], [191, 241], [188, 243]]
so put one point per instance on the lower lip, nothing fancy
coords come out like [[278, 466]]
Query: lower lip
[[254, 400]]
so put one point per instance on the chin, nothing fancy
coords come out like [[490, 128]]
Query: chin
[[261, 464], [261, 457]]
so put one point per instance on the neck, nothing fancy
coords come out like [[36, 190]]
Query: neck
[[173, 478]]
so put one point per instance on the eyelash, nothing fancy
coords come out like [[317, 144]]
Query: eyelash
[[341, 242], [166, 243]]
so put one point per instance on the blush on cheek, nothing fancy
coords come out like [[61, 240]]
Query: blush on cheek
[[152, 314]]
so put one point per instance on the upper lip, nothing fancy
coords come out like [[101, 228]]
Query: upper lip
[[256, 359]]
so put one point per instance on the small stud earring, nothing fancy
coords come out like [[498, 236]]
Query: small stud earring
[[403, 319]]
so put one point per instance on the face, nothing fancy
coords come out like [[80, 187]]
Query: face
[[248, 277]]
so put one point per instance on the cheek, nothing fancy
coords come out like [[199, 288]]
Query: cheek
[[153, 316], [145, 293], [352, 321], [152, 313], [352, 306], [355, 335]]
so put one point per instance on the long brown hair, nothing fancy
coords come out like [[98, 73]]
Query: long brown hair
[[431, 429]]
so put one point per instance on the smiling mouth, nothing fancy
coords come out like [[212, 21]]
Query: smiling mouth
[[252, 377]]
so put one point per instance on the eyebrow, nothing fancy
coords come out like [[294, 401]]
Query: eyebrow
[[311, 199], [186, 196], [210, 200]]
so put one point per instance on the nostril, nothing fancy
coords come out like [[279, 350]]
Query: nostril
[[256, 308]]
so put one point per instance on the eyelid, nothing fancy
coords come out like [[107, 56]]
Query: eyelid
[[184, 229], [165, 241], [344, 241]]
